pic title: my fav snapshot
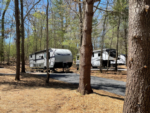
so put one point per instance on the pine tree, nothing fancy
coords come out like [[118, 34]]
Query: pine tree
[[137, 96]]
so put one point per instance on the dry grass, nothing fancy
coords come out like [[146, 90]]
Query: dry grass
[[7, 71], [32, 95]]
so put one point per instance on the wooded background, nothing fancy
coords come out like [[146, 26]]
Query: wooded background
[[65, 22]]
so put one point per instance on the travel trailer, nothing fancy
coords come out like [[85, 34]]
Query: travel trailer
[[58, 58], [108, 55], [121, 60]]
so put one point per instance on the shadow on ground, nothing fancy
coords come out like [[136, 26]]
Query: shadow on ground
[[109, 96], [66, 81], [34, 81], [29, 81]]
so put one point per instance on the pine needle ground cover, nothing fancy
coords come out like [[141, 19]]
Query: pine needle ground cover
[[32, 95]]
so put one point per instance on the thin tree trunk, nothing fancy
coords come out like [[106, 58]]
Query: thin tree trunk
[[62, 29], [35, 36], [9, 48], [116, 64], [102, 40], [81, 23], [22, 35], [110, 48], [137, 99], [47, 41], [86, 51], [41, 35], [3, 29], [17, 40], [55, 40], [125, 39], [28, 41]]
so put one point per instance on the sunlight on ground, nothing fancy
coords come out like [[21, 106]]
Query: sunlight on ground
[[32, 95]]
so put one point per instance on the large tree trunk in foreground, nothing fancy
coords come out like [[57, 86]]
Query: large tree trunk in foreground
[[86, 51], [22, 35], [137, 99], [17, 41]]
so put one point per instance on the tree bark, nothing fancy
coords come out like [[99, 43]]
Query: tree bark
[[81, 23], [137, 97], [3, 29], [116, 64], [22, 35], [47, 41], [125, 40], [102, 41], [110, 47], [86, 51], [9, 45], [41, 36], [17, 41], [9, 50], [28, 41]]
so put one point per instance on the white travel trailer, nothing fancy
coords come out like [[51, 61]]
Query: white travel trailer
[[121, 60], [58, 58], [107, 56]]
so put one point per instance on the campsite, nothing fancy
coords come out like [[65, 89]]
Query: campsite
[[32, 95], [74, 56]]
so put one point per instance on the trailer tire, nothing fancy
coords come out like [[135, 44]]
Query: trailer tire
[[93, 66]]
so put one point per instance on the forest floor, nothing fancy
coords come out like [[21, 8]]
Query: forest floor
[[120, 75], [32, 95]]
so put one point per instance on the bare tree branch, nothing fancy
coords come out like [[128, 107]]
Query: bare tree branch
[[113, 12], [79, 2], [72, 9], [31, 9], [97, 6]]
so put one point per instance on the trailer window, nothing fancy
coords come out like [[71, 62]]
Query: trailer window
[[42, 57], [63, 54], [112, 52], [45, 55], [31, 56], [93, 54], [99, 54]]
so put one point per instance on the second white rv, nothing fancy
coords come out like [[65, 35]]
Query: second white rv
[[107, 56], [121, 60]]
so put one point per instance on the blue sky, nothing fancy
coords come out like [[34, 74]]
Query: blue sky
[[10, 12]]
